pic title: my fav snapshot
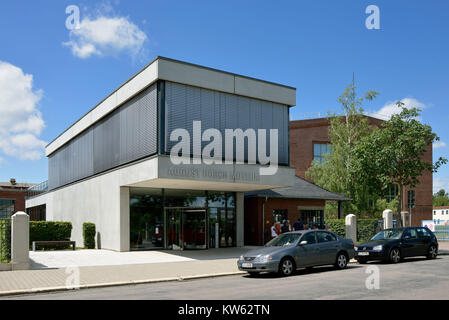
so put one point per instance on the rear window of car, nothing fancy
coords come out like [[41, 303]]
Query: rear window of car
[[325, 237], [423, 232]]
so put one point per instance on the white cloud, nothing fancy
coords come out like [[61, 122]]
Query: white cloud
[[439, 144], [103, 35], [21, 122], [390, 108]]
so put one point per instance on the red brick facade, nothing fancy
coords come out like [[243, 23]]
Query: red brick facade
[[304, 133], [17, 195]]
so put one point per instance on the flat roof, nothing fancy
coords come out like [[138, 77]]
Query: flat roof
[[162, 68]]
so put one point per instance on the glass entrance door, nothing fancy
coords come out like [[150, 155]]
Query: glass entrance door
[[185, 228]]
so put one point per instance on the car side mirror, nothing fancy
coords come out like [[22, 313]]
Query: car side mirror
[[302, 243]]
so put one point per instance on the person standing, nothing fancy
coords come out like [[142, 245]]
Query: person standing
[[274, 231], [285, 226], [298, 225]]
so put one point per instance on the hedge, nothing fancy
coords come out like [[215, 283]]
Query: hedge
[[366, 229], [5, 240], [89, 235], [50, 231], [337, 226]]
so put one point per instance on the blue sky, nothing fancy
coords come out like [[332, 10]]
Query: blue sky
[[50, 76]]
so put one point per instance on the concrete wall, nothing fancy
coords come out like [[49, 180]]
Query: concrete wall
[[100, 200]]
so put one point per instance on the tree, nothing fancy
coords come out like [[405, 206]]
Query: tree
[[336, 173], [395, 153], [441, 198]]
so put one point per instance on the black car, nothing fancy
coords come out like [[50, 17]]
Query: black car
[[393, 245]]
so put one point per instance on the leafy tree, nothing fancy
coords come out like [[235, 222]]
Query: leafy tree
[[441, 198], [394, 154], [336, 173]]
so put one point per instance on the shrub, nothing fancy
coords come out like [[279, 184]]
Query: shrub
[[5, 240], [50, 231], [366, 229], [337, 226], [89, 235]]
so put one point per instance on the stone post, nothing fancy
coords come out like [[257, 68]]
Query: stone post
[[387, 215], [405, 217], [20, 241], [351, 227]]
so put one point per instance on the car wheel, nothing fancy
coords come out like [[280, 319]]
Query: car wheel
[[362, 260], [341, 261], [253, 273], [432, 253], [286, 267], [395, 255]]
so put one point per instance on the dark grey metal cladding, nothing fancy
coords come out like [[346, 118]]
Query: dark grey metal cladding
[[128, 133], [184, 104]]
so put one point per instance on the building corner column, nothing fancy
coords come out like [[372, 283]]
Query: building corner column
[[240, 219], [124, 219]]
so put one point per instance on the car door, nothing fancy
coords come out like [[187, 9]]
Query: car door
[[424, 242], [410, 243], [307, 254], [328, 247]]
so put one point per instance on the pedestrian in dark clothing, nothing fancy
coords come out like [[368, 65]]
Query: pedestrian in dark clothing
[[298, 225]]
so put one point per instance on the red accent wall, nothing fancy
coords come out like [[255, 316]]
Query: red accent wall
[[253, 215]]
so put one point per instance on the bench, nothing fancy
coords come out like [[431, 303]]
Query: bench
[[46, 243]]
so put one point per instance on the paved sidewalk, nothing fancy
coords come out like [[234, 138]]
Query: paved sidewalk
[[29, 281]]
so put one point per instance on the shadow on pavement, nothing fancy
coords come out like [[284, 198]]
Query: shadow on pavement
[[300, 272]]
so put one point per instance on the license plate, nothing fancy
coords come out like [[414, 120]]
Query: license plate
[[247, 265], [363, 253]]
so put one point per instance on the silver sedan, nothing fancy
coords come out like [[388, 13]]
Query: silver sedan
[[299, 249]]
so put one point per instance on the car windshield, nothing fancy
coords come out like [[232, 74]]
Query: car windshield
[[286, 239], [388, 234]]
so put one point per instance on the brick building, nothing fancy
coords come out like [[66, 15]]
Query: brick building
[[12, 197], [309, 140], [303, 200]]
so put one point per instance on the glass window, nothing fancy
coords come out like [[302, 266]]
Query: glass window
[[146, 218], [309, 237], [6, 208], [325, 237], [319, 150], [286, 239], [411, 198], [423, 233], [411, 233], [391, 192], [185, 198]]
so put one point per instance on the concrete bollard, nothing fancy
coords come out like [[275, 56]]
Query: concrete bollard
[[351, 227], [387, 215], [405, 217], [20, 241]]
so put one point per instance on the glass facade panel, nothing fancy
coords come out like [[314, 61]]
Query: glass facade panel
[[181, 219], [146, 218]]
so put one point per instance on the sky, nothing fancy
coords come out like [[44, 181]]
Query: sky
[[53, 70]]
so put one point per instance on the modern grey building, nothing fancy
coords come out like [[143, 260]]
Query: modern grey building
[[112, 167]]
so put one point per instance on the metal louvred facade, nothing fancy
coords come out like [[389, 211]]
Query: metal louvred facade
[[185, 104], [127, 134]]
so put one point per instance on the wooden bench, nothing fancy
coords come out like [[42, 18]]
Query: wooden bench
[[47, 243]]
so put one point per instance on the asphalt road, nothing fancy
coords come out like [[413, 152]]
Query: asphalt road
[[415, 278]]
